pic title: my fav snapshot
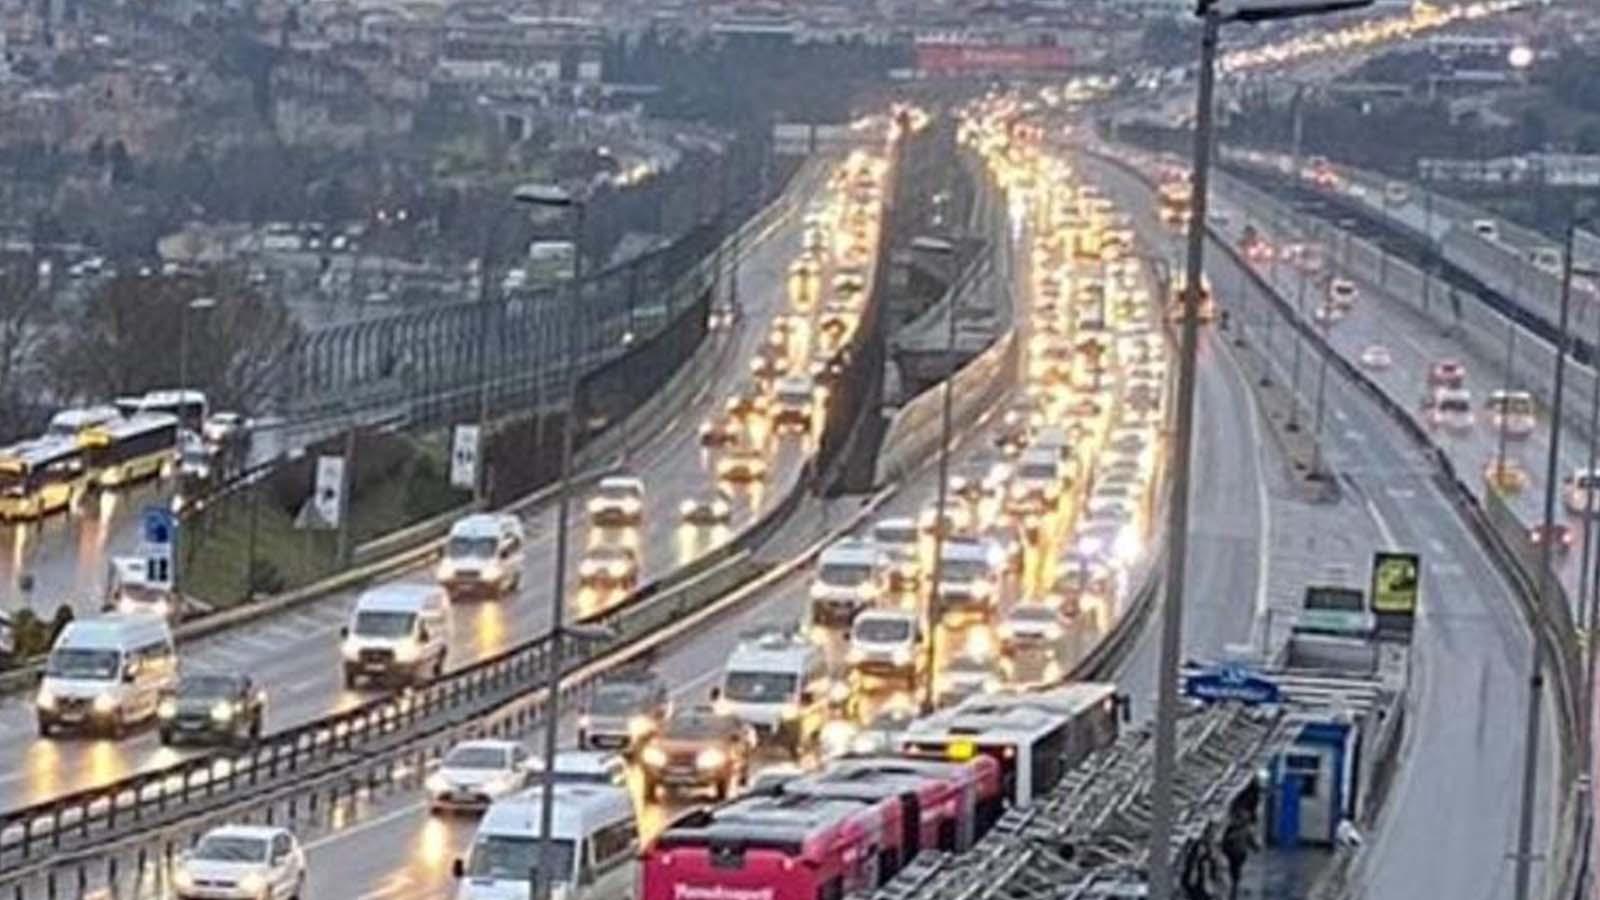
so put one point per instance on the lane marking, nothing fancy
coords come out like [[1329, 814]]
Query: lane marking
[[1378, 519]]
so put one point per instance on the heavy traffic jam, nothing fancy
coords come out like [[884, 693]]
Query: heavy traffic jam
[[922, 686]]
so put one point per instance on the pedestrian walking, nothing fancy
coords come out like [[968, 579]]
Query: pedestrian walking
[[1238, 840]]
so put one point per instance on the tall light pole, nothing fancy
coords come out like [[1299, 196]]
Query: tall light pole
[[1214, 16], [931, 595], [553, 197], [1523, 871]]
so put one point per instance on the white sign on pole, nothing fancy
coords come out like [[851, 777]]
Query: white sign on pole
[[464, 457], [329, 500]]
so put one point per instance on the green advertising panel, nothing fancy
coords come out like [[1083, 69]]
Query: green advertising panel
[[1396, 580]]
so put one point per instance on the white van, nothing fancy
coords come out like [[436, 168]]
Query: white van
[[776, 683], [483, 554], [849, 579], [106, 674], [595, 838], [397, 632]]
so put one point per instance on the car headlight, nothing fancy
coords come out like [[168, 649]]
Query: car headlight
[[855, 655], [46, 700], [1007, 631], [790, 711], [596, 504], [437, 784], [491, 571], [182, 879], [167, 708], [654, 757], [839, 692], [446, 570], [252, 883], [902, 656], [687, 508], [588, 569], [719, 509], [639, 726], [222, 711], [407, 651], [710, 759], [104, 703], [722, 707]]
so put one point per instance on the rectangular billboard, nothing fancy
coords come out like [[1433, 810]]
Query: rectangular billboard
[[959, 59]]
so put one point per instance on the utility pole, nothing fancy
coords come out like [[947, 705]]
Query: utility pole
[[1547, 597], [1178, 509]]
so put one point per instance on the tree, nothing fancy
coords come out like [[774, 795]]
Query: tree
[[22, 328], [126, 339]]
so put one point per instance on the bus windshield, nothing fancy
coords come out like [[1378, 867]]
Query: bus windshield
[[512, 858]]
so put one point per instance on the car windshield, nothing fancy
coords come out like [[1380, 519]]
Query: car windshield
[[231, 848], [1515, 405], [694, 727], [844, 574], [1037, 471], [511, 858], [475, 758], [1454, 405], [470, 547], [76, 662], [882, 630], [898, 535], [207, 686], [371, 623], [964, 570], [616, 700], [759, 687]]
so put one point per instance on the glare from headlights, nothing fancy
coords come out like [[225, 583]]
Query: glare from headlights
[[46, 699], [654, 757], [710, 759], [104, 703], [222, 711], [437, 784], [167, 708], [252, 883], [639, 726]]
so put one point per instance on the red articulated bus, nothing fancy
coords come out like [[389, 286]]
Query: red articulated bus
[[936, 805], [764, 847]]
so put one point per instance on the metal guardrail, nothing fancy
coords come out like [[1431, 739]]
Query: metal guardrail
[[1552, 626]]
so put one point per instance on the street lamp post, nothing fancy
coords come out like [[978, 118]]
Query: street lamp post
[[1214, 17], [946, 404], [552, 197], [1547, 594]]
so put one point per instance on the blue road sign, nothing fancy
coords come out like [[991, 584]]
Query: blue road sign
[[159, 526], [1231, 683]]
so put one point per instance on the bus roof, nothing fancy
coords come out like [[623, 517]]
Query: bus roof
[[137, 424], [36, 451], [579, 809], [1009, 717], [788, 822], [69, 422]]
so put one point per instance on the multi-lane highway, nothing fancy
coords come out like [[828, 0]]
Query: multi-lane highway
[[1470, 648], [297, 654]]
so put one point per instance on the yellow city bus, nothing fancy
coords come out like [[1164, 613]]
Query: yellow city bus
[[131, 449], [41, 476]]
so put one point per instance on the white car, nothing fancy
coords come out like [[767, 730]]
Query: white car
[[1575, 491], [1342, 293], [617, 501], [1376, 356], [609, 567], [1033, 624], [582, 767], [713, 508], [242, 862], [474, 774], [1486, 229]]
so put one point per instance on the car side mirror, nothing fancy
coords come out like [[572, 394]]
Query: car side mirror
[[458, 868], [127, 676], [344, 631], [715, 693], [808, 697]]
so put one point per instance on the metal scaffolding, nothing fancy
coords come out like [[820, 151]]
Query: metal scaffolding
[[1089, 837]]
